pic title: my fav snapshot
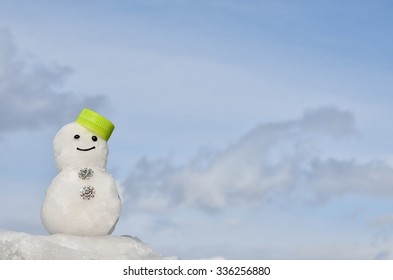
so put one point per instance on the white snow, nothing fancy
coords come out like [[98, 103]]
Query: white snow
[[22, 246]]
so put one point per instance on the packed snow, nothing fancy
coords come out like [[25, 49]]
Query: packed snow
[[22, 246]]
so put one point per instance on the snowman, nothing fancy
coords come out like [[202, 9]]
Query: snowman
[[82, 199]]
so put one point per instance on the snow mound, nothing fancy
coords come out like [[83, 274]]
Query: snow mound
[[22, 246]]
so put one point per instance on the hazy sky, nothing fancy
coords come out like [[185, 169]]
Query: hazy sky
[[244, 129]]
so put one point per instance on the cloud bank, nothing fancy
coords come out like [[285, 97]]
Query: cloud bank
[[31, 94], [275, 159]]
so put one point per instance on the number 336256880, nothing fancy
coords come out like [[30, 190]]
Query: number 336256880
[[223, 270]]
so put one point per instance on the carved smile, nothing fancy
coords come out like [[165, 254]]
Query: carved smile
[[85, 150]]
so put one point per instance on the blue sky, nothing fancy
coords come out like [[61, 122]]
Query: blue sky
[[244, 129]]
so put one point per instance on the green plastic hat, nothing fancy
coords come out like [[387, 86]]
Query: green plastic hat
[[96, 123]]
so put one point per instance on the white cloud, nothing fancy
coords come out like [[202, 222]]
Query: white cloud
[[383, 221], [274, 158], [31, 93], [331, 177]]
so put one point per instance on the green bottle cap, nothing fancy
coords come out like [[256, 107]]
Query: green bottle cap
[[96, 123]]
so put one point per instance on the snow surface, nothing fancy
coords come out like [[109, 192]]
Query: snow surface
[[22, 246]]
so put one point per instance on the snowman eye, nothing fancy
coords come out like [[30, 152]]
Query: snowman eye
[[94, 138], [76, 136]]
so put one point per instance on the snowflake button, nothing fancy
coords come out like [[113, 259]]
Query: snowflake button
[[87, 192], [86, 173]]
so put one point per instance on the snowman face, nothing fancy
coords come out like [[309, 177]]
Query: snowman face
[[78, 147]]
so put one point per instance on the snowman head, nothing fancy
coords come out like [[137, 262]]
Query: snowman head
[[83, 143]]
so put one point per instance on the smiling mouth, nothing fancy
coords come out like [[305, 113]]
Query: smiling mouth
[[85, 150]]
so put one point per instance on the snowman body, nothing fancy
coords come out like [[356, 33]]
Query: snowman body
[[82, 199]]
